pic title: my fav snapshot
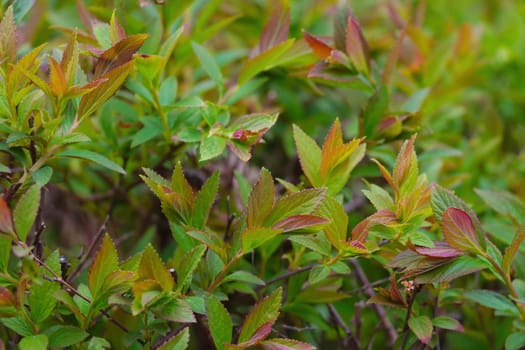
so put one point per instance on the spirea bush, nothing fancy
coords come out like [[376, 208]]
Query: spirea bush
[[261, 175]]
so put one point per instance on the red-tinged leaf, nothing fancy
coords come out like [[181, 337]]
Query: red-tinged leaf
[[76, 91], [318, 46], [442, 199], [297, 222], [333, 139], [512, 250], [151, 267], [266, 311], [440, 250], [390, 296], [119, 54], [449, 323], [6, 219], [393, 57], [16, 80], [105, 263], [182, 188], [459, 231], [85, 16], [422, 328], [309, 155], [93, 100], [275, 31], [8, 36], [285, 344], [356, 46], [264, 61], [386, 174], [6, 297], [256, 236], [116, 33], [383, 217], [259, 335], [57, 80], [299, 203], [406, 169], [336, 230], [322, 72], [353, 248], [260, 202], [69, 62]]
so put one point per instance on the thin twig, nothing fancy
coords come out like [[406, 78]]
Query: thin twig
[[90, 250], [380, 311], [287, 275], [349, 342], [411, 299]]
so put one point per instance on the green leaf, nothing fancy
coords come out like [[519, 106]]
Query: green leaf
[[515, 341], [41, 298], [97, 343], [256, 236], [260, 202], [106, 262], [219, 322], [422, 328], [379, 198], [94, 157], [336, 230], [309, 155], [204, 200], [5, 252], [209, 64], [152, 267], [461, 266], [19, 325], [211, 147], [152, 128], [26, 210], [168, 91], [264, 61], [512, 250], [492, 300], [187, 265], [111, 81], [64, 336], [265, 311], [504, 203], [34, 342], [245, 277], [317, 243], [285, 344], [175, 310], [446, 322], [318, 273], [299, 203], [376, 108], [42, 175], [178, 342]]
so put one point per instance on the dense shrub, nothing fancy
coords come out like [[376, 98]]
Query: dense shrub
[[234, 175]]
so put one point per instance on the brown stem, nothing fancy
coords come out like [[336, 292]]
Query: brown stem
[[349, 342], [223, 272], [90, 250], [380, 311]]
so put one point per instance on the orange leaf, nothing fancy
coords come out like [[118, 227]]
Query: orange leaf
[[6, 219], [57, 81], [321, 49], [119, 54]]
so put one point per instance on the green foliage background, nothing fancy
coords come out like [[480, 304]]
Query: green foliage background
[[457, 80]]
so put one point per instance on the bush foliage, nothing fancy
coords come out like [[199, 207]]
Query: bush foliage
[[261, 174]]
